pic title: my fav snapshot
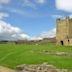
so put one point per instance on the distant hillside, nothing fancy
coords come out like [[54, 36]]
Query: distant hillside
[[48, 41], [44, 41]]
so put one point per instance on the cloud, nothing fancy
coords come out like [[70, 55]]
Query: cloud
[[2, 15], [4, 2], [9, 32], [70, 16], [24, 13], [40, 1], [65, 5], [21, 36], [29, 3], [20, 12], [35, 38], [49, 34], [8, 28], [57, 16], [33, 3]]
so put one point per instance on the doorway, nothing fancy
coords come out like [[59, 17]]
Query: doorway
[[68, 42], [62, 43]]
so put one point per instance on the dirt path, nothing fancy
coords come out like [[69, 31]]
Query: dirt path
[[5, 69]]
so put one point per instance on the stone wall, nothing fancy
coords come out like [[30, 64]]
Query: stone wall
[[63, 30], [33, 68], [39, 68]]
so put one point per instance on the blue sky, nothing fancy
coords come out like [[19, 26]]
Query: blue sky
[[34, 17]]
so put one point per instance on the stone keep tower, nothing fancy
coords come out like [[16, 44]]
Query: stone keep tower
[[64, 31]]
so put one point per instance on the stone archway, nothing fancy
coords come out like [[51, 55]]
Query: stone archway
[[62, 43]]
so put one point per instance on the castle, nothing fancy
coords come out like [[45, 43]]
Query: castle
[[64, 31]]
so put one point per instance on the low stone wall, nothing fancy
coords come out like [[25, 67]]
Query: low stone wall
[[39, 68], [53, 53]]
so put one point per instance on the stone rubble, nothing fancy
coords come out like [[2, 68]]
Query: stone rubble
[[39, 68]]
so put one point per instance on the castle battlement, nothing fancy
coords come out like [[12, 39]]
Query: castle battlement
[[64, 18]]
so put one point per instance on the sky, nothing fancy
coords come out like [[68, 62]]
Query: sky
[[31, 19]]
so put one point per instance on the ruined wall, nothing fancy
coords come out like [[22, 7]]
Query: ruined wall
[[70, 42], [70, 28], [39, 68], [63, 30]]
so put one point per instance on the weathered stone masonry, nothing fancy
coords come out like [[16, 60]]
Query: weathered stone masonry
[[64, 31]]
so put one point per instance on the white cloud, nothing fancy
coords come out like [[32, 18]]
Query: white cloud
[[9, 32], [65, 5], [21, 12], [8, 28], [4, 2], [70, 16], [21, 36], [33, 3], [28, 3], [40, 1], [57, 16], [24, 36], [2, 15], [35, 38], [50, 34], [24, 13]]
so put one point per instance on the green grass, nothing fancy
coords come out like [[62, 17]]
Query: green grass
[[12, 55]]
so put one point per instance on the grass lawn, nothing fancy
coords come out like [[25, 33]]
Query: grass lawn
[[12, 55]]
